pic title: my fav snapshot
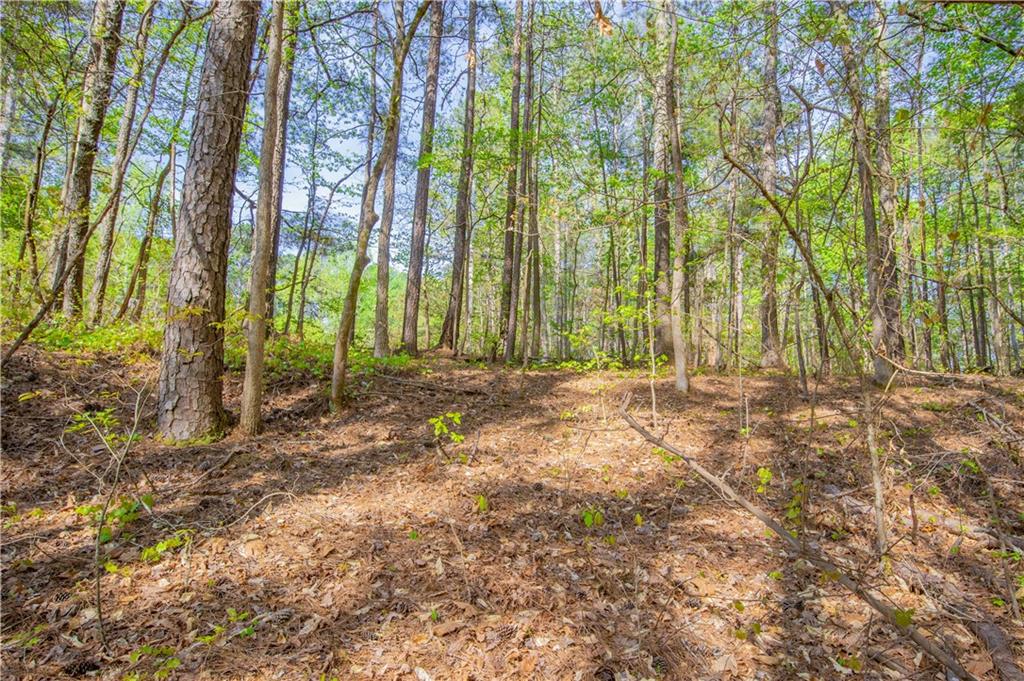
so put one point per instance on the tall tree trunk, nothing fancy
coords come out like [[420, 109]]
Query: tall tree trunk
[[270, 172], [108, 227], [136, 289], [511, 202], [190, 403], [888, 278], [681, 215], [663, 337], [105, 42], [419, 216], [28, 241], [346, 325], [525, 156], [921, 206], [875, 279], [450, 328], [771, 347], [283, 116], [381, 346]]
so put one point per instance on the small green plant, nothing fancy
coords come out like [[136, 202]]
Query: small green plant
[[904, 618], [934, 406], [482, 505], [764, 478], [163, 658], [592, 517], [153, 554], [435, 616], [443, 431], [414, 535]]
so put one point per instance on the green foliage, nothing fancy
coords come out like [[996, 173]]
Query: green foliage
[[153, 554], [444, 427]]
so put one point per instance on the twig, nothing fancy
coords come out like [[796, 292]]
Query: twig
[[817, 559]]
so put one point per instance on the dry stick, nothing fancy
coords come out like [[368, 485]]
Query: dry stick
[[119, 458], [997, 524], [817, 559]]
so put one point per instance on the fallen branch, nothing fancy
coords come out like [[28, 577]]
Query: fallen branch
[[988, 632], [817, 559], [431, 386]]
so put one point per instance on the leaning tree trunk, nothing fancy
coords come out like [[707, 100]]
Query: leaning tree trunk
[[271, 171], [105, 41], [419, 215], [136, 288], [191, 368], [346, 325], [108, 228], [450, 328]]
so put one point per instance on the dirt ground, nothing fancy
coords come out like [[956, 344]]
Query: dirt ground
[[552, 542]]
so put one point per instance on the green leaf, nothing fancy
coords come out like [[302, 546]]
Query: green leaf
[[904, 618]]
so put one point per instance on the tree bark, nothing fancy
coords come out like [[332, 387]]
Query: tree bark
[[449, 337], [271, 171], [381, 345], [510, 190], [105, 39], [875, 278], [681, 215], [419, 216], [108, 228], [663, 337], [771, 346], [346, 325], [190, 402], [525, 155]]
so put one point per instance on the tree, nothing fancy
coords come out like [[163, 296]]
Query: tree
[[771, 344], [105, 41], [108, 227], [190, 402], [271, 172], [450, 327], [419, 215], [368, 217], [510, 187]]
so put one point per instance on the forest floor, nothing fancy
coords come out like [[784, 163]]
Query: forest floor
[[552, 542]]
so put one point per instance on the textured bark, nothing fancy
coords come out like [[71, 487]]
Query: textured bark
[[525, 154], [346, 325], [681, 216], [662, 235], [190, 403], [136, 288], [268, 208], [882, 368], [450, 328], [888, 280], [105, 41], [283, 107], [771, 345], [510, 187], [419, 215], [108, 226], [28, 241], [381, 344]]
